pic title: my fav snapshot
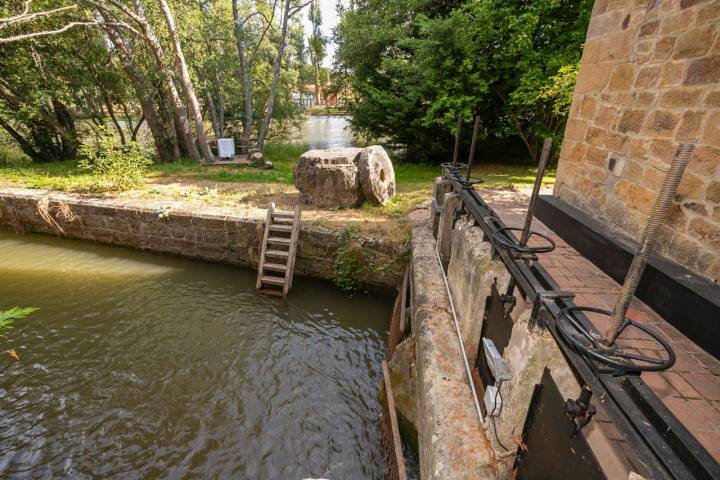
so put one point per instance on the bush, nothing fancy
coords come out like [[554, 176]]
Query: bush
[[116, 168], [349, 261]]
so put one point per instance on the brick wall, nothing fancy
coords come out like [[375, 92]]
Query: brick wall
[[648, 80]]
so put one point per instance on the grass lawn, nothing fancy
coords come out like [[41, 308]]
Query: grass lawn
[[243, 186]]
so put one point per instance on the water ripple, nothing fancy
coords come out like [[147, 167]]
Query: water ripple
[[140, 366]]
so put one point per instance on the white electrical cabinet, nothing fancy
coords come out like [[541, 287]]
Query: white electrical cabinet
[[226, 147]]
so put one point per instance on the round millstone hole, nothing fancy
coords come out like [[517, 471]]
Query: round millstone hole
[[377, 175]]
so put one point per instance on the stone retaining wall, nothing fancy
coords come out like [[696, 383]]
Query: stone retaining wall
[[170, 227], [427, 370]]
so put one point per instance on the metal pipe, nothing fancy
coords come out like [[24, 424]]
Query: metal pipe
[[649, 238], [476, 127], [456, 153], [547, 145]]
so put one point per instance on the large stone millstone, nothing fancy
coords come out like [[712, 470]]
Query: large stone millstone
[[377, 175], [329, 178]]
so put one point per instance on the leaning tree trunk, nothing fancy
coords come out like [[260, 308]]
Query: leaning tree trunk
[[24, 144], [186, 82], [68, 137], [181, 121], [275, 79], [212, 113], [166, 145]]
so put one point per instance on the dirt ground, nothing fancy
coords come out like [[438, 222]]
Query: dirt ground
[[235, 196]]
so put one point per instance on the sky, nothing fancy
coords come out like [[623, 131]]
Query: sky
[[330, 20]]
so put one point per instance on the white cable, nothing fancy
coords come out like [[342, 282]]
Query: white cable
[[459, 335]]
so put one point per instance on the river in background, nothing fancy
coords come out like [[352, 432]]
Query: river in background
[[144, 366], [325, 131]]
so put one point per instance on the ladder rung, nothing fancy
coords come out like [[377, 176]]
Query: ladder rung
[[281, 228], [270, 291], [279, 241], [272, 280], [280, 214], [276, 253], [276, 267]]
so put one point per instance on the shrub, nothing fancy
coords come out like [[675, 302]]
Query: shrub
[[349, 261], [116, 168]]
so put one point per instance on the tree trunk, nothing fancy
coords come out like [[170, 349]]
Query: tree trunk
[[220, 106], [68, 137], [316, 75], [275, 79], [136, 129], [25, 146], [245, 73], [186, 82], [166, 146], [181, 121], [212, 113], [111, 113]]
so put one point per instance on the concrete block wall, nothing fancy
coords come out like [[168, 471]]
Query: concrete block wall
[[648, 80]]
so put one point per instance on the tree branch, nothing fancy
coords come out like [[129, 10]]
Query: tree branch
[[45, 33], [295, 10], [26, 16]]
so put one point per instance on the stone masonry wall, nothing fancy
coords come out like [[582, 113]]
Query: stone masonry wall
[[212, 235], [648, 80]]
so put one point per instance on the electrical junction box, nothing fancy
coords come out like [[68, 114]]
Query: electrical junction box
[[226, 147], [497, 364], [493, 401]]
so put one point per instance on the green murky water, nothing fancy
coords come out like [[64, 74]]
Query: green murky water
[[145, 366]]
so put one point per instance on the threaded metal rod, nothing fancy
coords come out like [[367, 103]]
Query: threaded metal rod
[[456, 153], [649, 238], [547, 145], [544, 155], [471, 158]]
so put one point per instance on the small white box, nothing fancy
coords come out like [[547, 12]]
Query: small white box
[[498, 367], [226, 147], [493, 401]]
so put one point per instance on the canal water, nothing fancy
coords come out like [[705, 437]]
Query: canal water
[[145, 366]]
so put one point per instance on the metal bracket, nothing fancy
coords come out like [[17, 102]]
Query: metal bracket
[[580, 410], [542, 297]]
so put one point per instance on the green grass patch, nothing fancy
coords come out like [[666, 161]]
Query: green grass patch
[[494, 174], [414, 181]]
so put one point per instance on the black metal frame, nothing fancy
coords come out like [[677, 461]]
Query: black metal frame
[[662, 444]]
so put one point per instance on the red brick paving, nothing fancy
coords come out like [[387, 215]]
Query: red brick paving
[[691, 388]]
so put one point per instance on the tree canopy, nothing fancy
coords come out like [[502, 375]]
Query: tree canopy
[[189, 70], [416, 65]]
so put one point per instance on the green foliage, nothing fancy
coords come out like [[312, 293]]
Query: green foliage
[[7, 317], [416, 66], [349, 260], [115, 168]]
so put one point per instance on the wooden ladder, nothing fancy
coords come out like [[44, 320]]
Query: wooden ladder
[[277, 257]]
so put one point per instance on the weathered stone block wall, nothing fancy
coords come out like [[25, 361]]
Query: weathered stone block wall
[[648, 80], [212, 235]]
